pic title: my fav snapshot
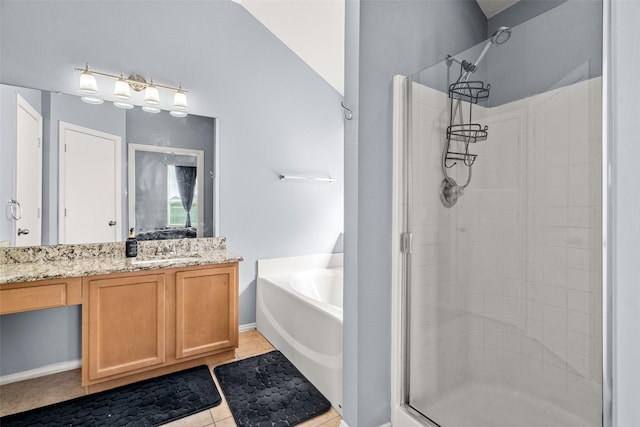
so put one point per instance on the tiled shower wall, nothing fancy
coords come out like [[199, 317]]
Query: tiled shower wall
[[438, 332], [506, 285]]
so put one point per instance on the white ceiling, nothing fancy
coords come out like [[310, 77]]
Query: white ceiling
[[313, 29], [493, 7]]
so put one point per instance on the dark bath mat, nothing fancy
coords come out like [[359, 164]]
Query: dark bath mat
[[150, 402], [267, 390]]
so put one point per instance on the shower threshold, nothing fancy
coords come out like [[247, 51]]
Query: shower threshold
[[481, 405]]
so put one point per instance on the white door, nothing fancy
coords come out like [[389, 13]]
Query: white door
[[28, 195], [90, 191]]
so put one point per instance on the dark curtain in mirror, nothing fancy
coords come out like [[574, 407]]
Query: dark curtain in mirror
[[186, 177]]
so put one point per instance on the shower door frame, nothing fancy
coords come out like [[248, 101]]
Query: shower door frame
[[402, 413], [607, 225]]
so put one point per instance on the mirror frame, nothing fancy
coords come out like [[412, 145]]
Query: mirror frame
[[131, 164]]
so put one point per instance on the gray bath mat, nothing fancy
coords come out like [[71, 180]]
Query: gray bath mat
[[267, 390]]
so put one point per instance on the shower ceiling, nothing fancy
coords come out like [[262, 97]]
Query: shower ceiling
[[493, 7]]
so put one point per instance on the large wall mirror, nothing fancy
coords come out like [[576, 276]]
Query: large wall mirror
[[95, 171]]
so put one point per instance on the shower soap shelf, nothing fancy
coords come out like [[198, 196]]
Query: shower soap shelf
[[470, 92], [467, 132], [453, 156], [473, 91]]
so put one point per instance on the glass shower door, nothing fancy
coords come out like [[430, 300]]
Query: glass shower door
[[503, 302]]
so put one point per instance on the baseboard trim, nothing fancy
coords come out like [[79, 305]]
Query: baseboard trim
[[343, 424], [40, 372], [247, 327]]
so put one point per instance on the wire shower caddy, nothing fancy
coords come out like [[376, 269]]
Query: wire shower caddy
[[461, 134]]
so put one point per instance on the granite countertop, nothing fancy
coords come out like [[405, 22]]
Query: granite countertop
[[25, 265]]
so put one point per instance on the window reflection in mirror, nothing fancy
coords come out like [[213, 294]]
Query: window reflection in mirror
[[181, 210], [164, 183]]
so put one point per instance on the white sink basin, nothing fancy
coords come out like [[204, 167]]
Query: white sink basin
[[164, 260]]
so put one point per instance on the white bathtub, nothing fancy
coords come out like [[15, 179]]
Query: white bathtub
[[299, 310]]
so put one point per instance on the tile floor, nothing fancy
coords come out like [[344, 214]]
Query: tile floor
[[21, 396]]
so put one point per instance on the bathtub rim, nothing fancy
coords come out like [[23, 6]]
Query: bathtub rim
[[282, 281], [295, 264], [336, 275]]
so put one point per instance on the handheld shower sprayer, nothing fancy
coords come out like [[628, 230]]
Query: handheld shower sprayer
[[501, 36]]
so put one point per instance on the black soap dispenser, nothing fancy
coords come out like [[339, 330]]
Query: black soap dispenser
[[131, 245]]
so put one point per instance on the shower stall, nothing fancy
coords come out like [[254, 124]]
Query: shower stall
[[500, 270]]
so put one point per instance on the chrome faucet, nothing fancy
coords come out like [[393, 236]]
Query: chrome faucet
[[166, 250]]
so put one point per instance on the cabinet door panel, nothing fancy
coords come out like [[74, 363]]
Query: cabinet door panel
[[126, 324], [206, 317]]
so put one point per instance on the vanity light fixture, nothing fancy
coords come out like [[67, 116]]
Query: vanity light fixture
[[150, 109], [89, 87], [121, 89], [151, 95], [122, 92], [88, 82], [176, 113], [123, 104], [180, 106], [151, 98], [92, 99]]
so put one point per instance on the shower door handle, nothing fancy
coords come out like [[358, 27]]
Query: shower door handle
[[15, 209]]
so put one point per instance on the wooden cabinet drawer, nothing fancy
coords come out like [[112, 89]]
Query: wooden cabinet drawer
[[15, 298]]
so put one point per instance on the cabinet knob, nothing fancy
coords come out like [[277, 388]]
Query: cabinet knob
[[112, 223], [22, 231]]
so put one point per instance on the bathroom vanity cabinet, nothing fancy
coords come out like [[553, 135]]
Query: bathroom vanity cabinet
[[141, 317], [142, 324]]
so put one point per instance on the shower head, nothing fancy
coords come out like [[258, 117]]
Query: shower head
[[501, 35]]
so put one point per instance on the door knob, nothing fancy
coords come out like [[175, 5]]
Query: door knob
[[112, 223], [23, 231]]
